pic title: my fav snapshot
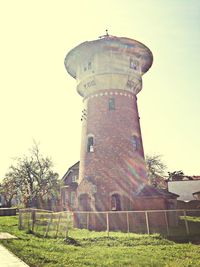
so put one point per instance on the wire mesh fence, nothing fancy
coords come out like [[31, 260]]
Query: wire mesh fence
[[45, 223], [62, 224]]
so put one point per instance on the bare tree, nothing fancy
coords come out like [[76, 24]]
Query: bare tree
[[37, 182], [9, 189], [156, 170]]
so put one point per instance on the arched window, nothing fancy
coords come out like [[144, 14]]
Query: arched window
[[84, 201], [90, 144], [115, 202]]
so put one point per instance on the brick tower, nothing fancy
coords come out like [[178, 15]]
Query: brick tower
[[109, 73]]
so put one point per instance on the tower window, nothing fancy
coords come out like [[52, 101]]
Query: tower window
[[135, 143], [115, 202], [133, 64], [90, 144], [111, 104], [89, 65]]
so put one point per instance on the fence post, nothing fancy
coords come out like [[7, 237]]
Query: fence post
[[147, 222], [20, 220], [58, 224], [107, 223], [29, 219], [33, 217], [127, 220], [87, 218], [166, 220], [67, 226], [48, 225], [186, 223]]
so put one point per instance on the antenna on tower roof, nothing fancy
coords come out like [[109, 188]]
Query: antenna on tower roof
[[105, 35]]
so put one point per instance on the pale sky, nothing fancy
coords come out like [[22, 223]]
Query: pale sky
[[38, 99]]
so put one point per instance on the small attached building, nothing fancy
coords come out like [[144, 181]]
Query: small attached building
[[144, 198], [69, 186]]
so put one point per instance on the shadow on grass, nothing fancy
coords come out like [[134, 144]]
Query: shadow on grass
[[176, 234], [179, 234], [71, 241]]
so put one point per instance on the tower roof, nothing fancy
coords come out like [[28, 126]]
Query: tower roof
[[119, 45]]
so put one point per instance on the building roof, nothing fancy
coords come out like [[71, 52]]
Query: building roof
[[120, 45], [184, 178], [195, 177], [195, 193], [150, 191], [73, 167]]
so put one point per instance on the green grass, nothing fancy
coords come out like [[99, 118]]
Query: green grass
[[192, 218], [96, 249]]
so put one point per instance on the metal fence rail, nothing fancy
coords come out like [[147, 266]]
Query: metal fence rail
[[58, 224]]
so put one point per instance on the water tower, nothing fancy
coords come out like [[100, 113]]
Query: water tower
[[109, 74]]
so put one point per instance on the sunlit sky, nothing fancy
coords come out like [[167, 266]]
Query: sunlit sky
[[38, 99]]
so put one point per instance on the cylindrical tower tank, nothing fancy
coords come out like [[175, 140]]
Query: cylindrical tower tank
[[109, 73]]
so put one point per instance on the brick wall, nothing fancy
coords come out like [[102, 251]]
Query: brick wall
[[115, 166]]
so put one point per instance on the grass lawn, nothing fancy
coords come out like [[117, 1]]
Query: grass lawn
[[96, 249]]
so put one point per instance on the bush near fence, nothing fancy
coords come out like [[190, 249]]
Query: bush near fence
[[61, 224]]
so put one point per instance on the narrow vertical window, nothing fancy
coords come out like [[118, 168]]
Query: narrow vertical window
[[133, 64], [136, 143], [111, 104], [89, 65], [90, 144], [72, 198], [63, 192], [115, 202]]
